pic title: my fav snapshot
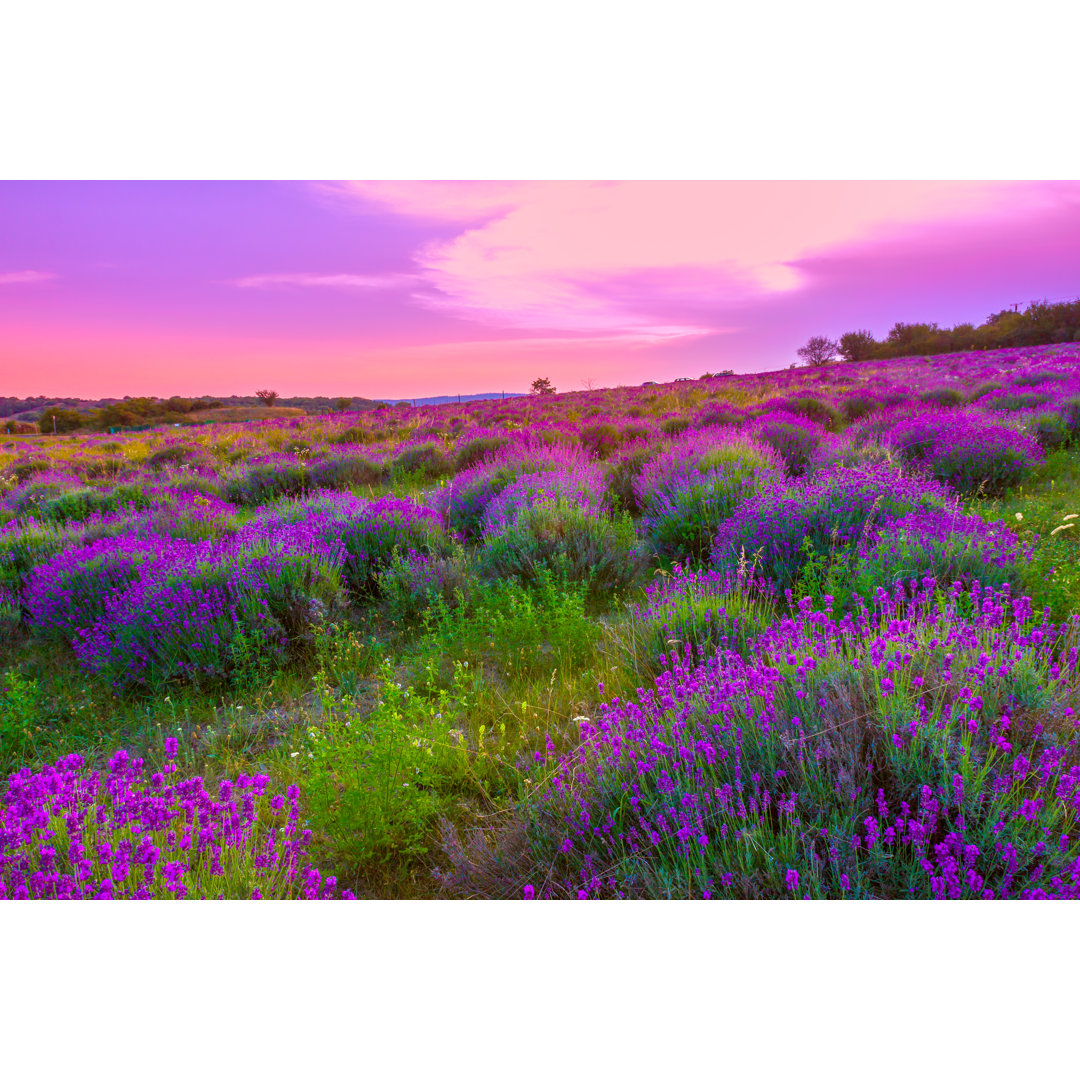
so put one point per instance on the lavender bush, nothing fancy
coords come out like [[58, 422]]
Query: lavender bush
[[902, 752], [71, 832]]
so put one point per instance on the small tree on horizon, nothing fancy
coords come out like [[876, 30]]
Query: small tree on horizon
[[541, 386], [267, 397], [818, 352]]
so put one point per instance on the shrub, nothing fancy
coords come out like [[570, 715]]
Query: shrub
[[268, 482], [563, 538], [476, 449], [856, 406], [897, 754], [583, 485], [72, 588], [828, 416], [942, 544], [792, 436], [345, 472], [170, 455], [946, 396], [210, 614], [1015, 402], [696, 612], [75, 833], [463, 501], [697, 482], [1050, 431], [966, 449], [601, 440], [622, 473], [719, 416], [819, 521], [424, 459], [842, 450], [413, 584], [674, 425]]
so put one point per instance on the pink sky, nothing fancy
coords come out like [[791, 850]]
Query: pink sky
[[399, 289]]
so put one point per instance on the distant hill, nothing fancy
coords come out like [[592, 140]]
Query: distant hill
[[447, 399], [31, 408]]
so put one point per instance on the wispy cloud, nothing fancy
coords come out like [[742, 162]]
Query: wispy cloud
[[326, 281], [565, 257], [25, 277]]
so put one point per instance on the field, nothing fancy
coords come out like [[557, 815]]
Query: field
[[810, 633]]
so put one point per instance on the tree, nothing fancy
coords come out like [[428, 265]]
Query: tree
[[343, 404], [267, 397], [856, 345], [59, 420], [818, 352], [542, 386]]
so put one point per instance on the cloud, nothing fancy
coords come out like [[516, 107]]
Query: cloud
[[437, 200], [327, 281], [618, 257], [26, 277]]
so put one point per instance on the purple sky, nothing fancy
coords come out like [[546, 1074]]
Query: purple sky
[[387, 289]]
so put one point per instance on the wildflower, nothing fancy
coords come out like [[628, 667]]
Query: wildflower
[[792, 880]]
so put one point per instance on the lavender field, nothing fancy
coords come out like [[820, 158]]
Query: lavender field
[[811, 633]]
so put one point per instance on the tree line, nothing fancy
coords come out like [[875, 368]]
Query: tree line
[[1040, 323]]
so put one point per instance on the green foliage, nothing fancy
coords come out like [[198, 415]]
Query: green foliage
[[19, 709], [815, 409], [567, 540], [375, 784], [856, 345], [947, 396], [60, 421]]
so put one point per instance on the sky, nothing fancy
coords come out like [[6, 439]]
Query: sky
[[388, 289]]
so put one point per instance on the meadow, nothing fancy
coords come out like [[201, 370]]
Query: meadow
[[810, 633]]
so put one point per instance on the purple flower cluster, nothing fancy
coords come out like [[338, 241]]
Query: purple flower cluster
[[71, 832], [907, 751], [785, 526], [581, 486]]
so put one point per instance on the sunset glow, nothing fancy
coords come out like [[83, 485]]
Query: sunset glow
[[397, 289]]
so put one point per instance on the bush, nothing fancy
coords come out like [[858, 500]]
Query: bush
[[828, 416], [209, 615], [463, 501], [1015, 402], [856, 406], [622, 474], [474, 450], [913, 751], [966, 449], [569, 541], [170, 455], [583, 486], [413, 584], [792, 436], [425, 460], [696, 483], [946, 396], [945, 545], [674, 425], [75, 833], [600, 440], [696, 612], [819, 521], [267, 483], [345, 472]]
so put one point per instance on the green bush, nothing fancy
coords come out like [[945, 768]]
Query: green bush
[[564, 539]]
